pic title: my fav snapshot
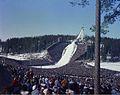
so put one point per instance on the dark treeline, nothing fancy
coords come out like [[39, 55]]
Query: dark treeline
[[110, 48], [31, 44]]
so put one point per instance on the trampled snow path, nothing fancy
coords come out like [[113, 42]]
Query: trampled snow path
[[115, 66]]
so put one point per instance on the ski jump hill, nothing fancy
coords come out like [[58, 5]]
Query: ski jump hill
[[70, 53]]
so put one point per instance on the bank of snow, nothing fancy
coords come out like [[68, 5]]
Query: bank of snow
[[115, 66], [26, 56]]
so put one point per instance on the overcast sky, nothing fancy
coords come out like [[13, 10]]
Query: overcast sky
[[21, 18]]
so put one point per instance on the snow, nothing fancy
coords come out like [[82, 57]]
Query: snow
[[114, 66], [26, 56]]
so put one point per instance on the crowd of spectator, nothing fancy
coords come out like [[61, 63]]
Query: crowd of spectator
[[25, 82]]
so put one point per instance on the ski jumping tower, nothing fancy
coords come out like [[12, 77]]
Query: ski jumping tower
[[71, 52]]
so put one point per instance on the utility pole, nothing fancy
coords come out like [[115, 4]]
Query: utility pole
[[97, 49]]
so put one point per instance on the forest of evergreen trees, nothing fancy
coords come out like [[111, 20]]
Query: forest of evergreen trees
[[109, 47], [31, 44]]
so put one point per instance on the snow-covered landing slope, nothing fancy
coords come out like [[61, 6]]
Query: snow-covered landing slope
[[115, 66]]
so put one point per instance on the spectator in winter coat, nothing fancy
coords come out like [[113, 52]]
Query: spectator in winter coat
[[35, 90]]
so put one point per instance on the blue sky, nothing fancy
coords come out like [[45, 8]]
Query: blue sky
[[22, 18]]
